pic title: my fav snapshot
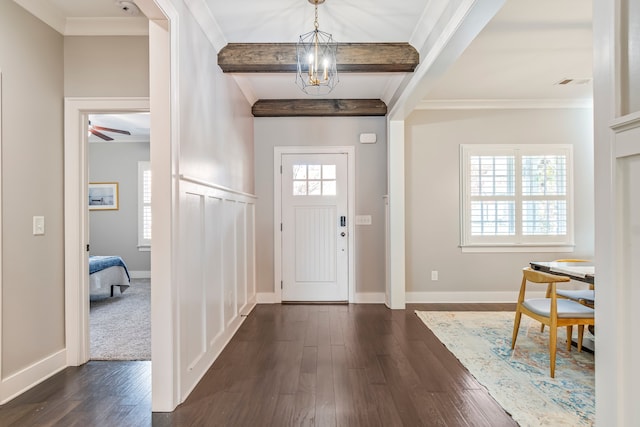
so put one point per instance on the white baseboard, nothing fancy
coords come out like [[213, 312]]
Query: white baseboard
[[370, 297], [423, 297], [140, 274], [29, 377], [266, 298], [361, 298], [466, 297]]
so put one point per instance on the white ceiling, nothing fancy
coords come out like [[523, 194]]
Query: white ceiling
[[517, 59]]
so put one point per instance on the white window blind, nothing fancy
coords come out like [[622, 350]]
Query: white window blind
[[144, 205], [516, 195]]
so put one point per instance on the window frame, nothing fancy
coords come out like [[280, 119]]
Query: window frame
[[517, 242], [144, 244]]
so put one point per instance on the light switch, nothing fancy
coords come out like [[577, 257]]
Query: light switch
[[363, 219], [38, 225]]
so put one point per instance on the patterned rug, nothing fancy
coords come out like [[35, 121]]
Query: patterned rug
[[519, 380]]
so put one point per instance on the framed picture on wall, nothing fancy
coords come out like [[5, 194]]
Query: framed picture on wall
[[103, 196]]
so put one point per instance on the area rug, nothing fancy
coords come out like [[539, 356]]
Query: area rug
[[120, 326], [519, 379]]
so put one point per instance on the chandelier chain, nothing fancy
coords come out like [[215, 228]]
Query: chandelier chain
[[315, 22]]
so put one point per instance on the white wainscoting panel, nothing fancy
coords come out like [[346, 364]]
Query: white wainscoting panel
[[216, 273], [213, 270], [229, 260]]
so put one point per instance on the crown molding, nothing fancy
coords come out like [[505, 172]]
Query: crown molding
[[502, 104], [138, 26], [207, 22], [50, 15]]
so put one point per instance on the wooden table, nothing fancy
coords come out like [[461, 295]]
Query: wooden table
[[581, 271]]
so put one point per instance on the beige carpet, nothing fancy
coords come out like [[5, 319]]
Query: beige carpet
[[519, 379], [120, 326]]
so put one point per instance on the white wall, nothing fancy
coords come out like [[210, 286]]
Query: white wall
[[371, 182], [433, 191], [32, 280], [214, 218]]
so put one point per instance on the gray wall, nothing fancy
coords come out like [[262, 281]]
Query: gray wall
[[32, 144], [39, 68], [433, 192], [109, 66], [115, 232], [106, 66], [371, 184]]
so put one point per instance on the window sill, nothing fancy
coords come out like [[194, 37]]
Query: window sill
[[515, 248], [144, 248]]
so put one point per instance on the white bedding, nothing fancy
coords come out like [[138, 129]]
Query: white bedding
[[101, 282]]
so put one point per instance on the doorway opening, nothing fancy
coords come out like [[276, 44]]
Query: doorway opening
[[120, 236]]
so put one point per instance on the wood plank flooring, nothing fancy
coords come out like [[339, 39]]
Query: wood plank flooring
[[288, 365]]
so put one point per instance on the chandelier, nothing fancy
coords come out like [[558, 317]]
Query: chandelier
[[316, 54]]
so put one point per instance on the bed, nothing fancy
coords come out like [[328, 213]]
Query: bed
[[107, 272]]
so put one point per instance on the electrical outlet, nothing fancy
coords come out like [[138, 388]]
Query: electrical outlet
[[434, 275]]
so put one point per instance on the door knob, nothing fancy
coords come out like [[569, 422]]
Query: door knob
[[343, 234]]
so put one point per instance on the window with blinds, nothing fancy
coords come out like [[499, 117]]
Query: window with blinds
[[516, 195], [144, 205]]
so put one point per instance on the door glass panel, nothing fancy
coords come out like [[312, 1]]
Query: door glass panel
[[314, 180], [328, 188], [299, 171], [315, 172], [329, 171], [315, 188], [299, 188]]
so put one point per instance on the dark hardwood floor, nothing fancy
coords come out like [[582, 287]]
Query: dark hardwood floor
[[288, 365]]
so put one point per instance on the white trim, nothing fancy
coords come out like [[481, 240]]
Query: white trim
[[138, 26], [465, 297], [2, 393], [267, 298], [164, 77], [32, 375], [370, 298], [140, 274], [514, 248], [74, 26], [215, 186], [277, 208], [396, 199], [76, 235], [502, 104]]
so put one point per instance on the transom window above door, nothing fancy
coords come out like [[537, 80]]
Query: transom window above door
[[314, 180]]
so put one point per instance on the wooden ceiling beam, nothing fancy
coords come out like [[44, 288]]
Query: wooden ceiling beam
[[318, 107], [351, 57]]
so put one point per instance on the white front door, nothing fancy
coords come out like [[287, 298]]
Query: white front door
[[315, 255]]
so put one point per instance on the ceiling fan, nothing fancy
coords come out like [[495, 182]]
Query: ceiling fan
[[95, 130]]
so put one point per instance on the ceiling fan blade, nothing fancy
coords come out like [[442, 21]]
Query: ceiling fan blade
[[100, 135], [124, 132]]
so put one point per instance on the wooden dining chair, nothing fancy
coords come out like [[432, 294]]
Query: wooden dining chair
[[551, 311], [583, 296]]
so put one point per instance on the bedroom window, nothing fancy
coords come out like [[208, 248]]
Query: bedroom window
[[516, 196], [144, 206]]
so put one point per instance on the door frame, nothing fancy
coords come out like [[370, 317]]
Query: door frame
[[277, 210], [76, 218]]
